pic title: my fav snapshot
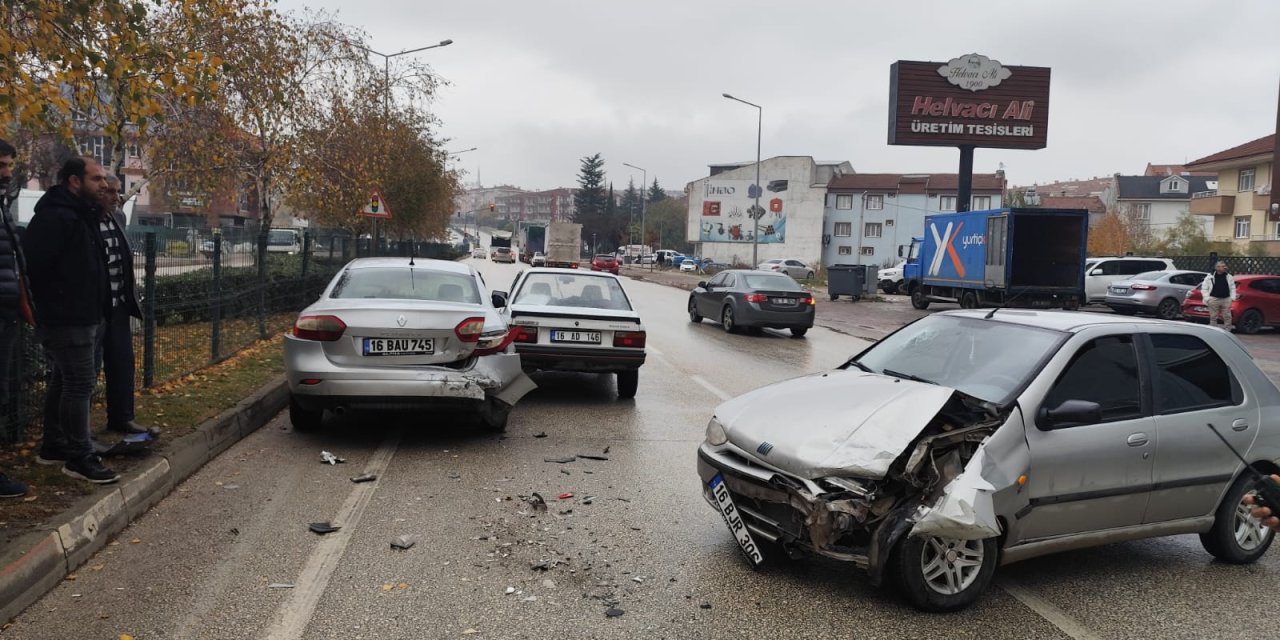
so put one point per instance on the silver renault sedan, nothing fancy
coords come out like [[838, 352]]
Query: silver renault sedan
[[970, 439], [400, 334], [1156, 292]]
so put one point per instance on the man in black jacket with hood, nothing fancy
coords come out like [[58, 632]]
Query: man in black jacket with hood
[[67, 268], [8, 294]]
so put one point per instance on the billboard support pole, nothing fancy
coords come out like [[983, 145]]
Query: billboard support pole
[[963, 193]]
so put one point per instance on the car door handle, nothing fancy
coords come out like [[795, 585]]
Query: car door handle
[[1240, 425], [1137, 439]]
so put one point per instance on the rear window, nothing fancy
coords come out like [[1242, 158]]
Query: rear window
[[1150, 275], [604, 258], [572, 290], [406, 283], [771, 282]]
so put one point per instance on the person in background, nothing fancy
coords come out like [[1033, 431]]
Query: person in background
[[117, 338], [9, 295], [1219, 291], [67, 268]]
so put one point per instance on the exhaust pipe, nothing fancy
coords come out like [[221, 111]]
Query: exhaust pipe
[[339, 410]]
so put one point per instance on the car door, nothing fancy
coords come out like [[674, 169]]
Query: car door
[[1266, 299], [1091, 477], [1192, 387], [706, 301], [795, 269]]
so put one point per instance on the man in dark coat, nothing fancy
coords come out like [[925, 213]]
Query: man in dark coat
[[8, 294], [70, 287]]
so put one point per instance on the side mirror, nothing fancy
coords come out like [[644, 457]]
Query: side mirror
[[1096, 272], [900, 251], [702, 284], [1070, 413], [499, 299]]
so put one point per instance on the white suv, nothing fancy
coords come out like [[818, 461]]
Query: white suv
[[1099, 273]]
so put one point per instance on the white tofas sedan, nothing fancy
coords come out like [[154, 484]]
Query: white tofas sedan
[[400, 334], [571, 320]]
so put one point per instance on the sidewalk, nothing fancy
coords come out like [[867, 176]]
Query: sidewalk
[[33, 562]]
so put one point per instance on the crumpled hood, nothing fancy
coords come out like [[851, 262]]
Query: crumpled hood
[[839, 423]]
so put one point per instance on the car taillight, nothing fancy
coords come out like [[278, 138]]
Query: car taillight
[[629, 339], [469, 330], [756, 297], [493, 342], [524, 334], [320, 328], [573, 265], [1142, 287], [808, 300]]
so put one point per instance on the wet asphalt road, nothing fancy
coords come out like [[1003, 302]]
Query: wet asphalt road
[[205, 558]]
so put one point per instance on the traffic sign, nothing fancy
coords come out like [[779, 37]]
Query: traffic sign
[[375, 206]]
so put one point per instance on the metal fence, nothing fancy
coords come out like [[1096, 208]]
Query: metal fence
[[206, 296], [1262, 265]]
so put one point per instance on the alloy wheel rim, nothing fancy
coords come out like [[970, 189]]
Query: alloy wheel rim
[[727, 320], [950, 566], [1249, 531], [1168, 309]]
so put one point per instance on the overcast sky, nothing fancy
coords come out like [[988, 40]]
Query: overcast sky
[[538, 85]]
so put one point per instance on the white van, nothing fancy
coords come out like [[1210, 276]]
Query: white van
[[289, 241], [1099, 273]]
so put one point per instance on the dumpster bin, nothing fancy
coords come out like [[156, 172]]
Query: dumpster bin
[[846, 280]]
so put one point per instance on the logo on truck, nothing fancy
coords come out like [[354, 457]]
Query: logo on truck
[[946, 244]]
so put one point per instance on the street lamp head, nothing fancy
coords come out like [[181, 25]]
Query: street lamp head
[[728, 96], [445, 43]]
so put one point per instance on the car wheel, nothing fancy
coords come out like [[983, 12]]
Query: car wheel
[[1071, 305], [628, 381], [304, 419], [799, 332], [1250, 322], [944, 574], [727, 321], [969, 300], [808, 276], [1237, 537], [918, 299], [494, 414], [1169, 309], [694, 316], [834, 297]]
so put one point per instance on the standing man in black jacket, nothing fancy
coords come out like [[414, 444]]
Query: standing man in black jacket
[[67, 267], [8, 294]]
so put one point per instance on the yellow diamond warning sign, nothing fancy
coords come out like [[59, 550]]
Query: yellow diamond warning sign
[[375, 206]]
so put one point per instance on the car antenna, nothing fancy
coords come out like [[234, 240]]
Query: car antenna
[[993, 312]]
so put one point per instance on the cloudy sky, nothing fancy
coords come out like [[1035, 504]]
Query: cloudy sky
[[538, 85]]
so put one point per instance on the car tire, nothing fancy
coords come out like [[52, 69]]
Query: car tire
[[919, 300], [1236, 537], [1071, 305], [494, 414], [1250, 322], [798, 332], [694, 316], [628, 381], [304, 419], [1169, 309], [726, 320], [920, 558], [968, 300], [808, 276], [834, 297]]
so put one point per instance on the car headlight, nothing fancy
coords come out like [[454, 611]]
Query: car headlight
[[716, 434]]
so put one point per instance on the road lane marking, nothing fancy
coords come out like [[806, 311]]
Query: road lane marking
[[292, 616], [653, 349], [1055, 616], [716, 391]]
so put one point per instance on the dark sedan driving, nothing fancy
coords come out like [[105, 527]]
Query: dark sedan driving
[[753, 299]]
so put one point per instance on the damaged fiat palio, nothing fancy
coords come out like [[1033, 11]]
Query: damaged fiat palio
[[967, 440]]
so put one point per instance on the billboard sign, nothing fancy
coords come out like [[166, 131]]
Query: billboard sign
[[728, 215], [971, 100]]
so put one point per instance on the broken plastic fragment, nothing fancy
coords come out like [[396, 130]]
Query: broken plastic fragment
[[323, 528], [587, 500], [566, 495], [365, 477], [613, 612], [404, 542], [592, 457], [540, 434], [280, 585], [511, 590], [325, 456], [560, 459], [539, 504], [965, 510]]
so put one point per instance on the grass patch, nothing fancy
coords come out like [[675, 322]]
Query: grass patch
[[178, 407]]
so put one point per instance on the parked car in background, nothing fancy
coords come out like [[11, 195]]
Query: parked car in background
[[740, 298], [503, 254], [793, 268], [1099, 273], [539, 259], [967, 440], [401, 334], [1257, 304], [688, 265], [286, 241], [1157, 292], [667, 256], [890, 278], [572, 320], [605, 262]]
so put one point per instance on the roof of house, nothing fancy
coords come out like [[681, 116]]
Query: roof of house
[[1173, 170], [915, 183], [1148, 187], [1262, 146], [1070, 188], [1093, 203]]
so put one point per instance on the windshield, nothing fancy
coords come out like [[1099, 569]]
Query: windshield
[[572, 290], [771, 282], [987, 359], [406, 283], [279, 237]]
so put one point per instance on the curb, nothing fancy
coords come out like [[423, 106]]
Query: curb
[[37, 561]]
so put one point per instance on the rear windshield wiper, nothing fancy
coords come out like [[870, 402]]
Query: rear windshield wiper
[[906, 376]]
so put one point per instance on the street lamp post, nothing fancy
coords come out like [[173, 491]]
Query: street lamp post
[[386, 99], [644, 180], [755, 211]]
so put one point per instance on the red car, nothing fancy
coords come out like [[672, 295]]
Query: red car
[[1257, 304], [605, 262]]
